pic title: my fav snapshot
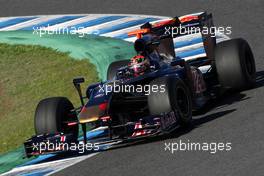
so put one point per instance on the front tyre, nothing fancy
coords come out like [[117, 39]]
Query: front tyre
[[51, 115]]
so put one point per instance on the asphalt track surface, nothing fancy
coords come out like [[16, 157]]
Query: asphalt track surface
[[237, 118]]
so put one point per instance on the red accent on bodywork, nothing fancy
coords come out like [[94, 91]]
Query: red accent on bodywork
[[105, 118], [63, 138], [72, 123], [163, 23], [103, 106], [188, 18], [84, 109], [139, 32], [139, 132]]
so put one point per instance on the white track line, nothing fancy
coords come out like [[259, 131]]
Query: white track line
[[73, 22], [194, 57], [126, 30], [57, 165], [3, 19], [121, 31], [131, 39], [64, 167], [97, 14], [189, 47], [194, 46], [108, 24], [29, 23]]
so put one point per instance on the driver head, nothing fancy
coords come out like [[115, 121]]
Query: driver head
[[139, 64]]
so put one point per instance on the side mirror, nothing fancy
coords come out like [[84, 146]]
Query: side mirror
[[78, 80]]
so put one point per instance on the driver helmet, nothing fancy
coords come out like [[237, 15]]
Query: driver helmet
[[139, 64]]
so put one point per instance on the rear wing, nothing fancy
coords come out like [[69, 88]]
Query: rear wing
[[185, 25]]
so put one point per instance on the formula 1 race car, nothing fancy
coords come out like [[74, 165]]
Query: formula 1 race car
[[149, 95]]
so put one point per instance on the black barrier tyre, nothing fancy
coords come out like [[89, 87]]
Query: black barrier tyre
[[175, 97], [113, 67], [51, 115], [235, 64]]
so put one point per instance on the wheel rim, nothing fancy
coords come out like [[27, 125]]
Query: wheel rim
[[182, 101]]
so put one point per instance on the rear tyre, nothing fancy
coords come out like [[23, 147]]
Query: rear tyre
[[176, 97], [113, 67], [51, 115], [235, 64]]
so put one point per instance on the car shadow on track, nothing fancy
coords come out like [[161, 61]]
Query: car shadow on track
[[230, 97], [181, 131]]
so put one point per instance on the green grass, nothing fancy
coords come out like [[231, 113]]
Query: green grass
[[27, 75]]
